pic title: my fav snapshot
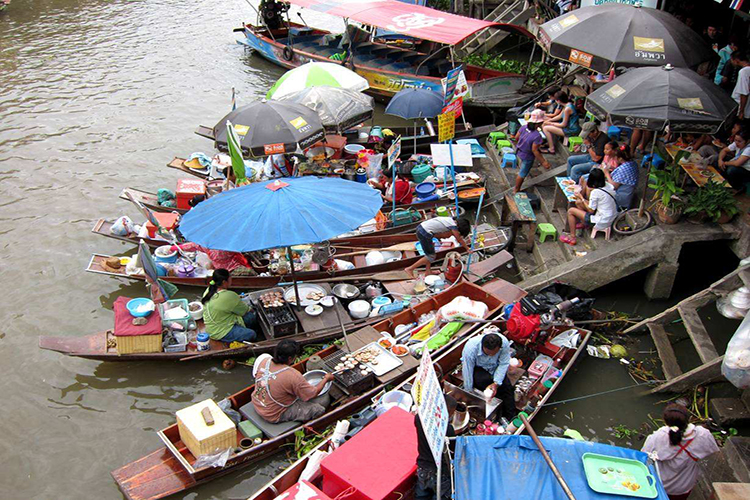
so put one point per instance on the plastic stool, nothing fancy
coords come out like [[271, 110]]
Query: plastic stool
[[496, 136], [574, 141], [658, 161], [506, 149], [625, 133], [503, 143], [607, 232], [509, 159], [546, 230], [590, 117], [614, 133]]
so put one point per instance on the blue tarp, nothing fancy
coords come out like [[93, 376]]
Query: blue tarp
[[512, 467]]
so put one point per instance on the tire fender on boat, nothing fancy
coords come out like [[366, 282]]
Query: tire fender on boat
[[288, 53]]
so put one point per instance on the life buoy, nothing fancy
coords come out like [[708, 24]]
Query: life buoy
[[288, 53]]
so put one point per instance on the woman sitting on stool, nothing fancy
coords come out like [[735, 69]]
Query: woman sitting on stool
[[226, 316], [594, 205]]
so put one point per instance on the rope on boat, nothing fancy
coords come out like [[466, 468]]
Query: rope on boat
[[596, 394]]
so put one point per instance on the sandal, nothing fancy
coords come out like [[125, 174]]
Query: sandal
[[580, 225], [568, 239], [546, 151]]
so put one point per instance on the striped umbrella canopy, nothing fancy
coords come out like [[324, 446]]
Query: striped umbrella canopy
[[235, 153], [315, 74]]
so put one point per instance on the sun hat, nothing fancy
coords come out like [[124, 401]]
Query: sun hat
[[537, 116]]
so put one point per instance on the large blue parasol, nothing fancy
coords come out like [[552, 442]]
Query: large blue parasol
[[281, 213]]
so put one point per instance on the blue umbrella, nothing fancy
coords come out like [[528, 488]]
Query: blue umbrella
[[413, 103], [280, 213]]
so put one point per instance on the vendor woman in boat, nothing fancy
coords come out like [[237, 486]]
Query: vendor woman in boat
[[226, 316], [281, 392], [386, 183], [485, 360], [441, 228]]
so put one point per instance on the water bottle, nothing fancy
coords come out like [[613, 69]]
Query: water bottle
[[421, 131]]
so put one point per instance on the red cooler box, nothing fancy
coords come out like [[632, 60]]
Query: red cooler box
[[379, 462], [186, 189], [166, 220], [303, 491]]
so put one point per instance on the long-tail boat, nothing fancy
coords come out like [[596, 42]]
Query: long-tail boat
[[169, 470], [345, 249], [389, 68], [446, 368]]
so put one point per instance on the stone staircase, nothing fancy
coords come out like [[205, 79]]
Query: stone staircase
[[730, 465], [505, 11]]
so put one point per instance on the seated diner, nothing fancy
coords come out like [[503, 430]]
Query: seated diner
[[227, 317], [595, 140], [563, 125], [595, 205], [281, 392], [737, 169]]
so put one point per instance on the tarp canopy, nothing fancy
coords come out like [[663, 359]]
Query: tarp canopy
[[493, 467], [412, 20]]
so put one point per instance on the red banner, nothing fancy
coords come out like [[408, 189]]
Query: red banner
[[457, 106]]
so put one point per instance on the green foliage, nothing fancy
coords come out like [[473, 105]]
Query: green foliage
[[714, 200], [624, 432], [540, 74], [666, 181], [444, 5]]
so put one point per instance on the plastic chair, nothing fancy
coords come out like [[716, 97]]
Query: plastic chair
[[496, 136], [506, 149], [509, 159], [545, 231], [614, 133], [503, 143], [607, 232], [574, 141]]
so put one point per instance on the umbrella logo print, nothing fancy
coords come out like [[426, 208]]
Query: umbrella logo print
[[406, 22], [648, 44], [241, 130]]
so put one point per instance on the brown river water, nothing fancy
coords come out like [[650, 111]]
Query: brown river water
[[99, 95]]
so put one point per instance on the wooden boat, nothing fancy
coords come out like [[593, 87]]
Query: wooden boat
[[169, 470], [360, 270], [387, 68], [445, 365]]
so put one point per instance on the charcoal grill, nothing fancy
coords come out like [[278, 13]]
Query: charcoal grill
[[350, 381], [274, 321]]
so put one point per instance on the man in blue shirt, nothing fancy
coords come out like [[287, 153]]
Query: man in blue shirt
[[485, 361]]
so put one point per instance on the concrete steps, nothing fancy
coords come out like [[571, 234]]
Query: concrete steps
[[730, 465]]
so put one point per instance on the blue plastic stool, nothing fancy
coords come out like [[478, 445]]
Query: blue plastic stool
[[614, 133], [509, 159], [626, 133], [658, 161]]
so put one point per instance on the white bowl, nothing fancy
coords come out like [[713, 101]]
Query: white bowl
[[359, 309], [327, 301], [196, 315], [314, 310]]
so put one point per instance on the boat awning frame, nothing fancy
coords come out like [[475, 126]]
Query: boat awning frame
[[408, 19]]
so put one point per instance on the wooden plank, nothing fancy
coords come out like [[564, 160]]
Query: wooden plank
[[698, 334], [368, 335], [666, 353], [705, 373], [530, 182], [481, 269], [672, 313], [507, 292]]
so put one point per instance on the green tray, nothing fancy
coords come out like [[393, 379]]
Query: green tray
[[619, 471]]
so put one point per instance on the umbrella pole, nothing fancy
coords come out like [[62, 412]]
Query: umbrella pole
[[550, 463], [642, 207], [294, 278], [415, 138]]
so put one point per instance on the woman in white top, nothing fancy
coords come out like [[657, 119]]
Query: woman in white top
[[736, 170], [595, 205], [677, 447]]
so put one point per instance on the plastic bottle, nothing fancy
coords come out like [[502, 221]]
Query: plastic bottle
[[203, 342]]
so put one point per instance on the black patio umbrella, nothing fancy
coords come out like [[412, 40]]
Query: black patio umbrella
[[601, 36], [271, 127], [652, 98]]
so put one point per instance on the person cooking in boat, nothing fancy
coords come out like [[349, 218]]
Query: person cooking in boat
[[281, 392], [438, 227], [226, 316], [485, 362]]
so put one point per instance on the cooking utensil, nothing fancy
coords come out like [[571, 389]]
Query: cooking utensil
[[314, 377], [345, 291]]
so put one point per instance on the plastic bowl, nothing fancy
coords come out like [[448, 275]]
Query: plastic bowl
[[198, 313], [359, 309], [314, 377], [141, 307], [425, 189]]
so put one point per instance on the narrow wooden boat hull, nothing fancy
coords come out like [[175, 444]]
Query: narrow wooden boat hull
[[383, 82], [167, 471]]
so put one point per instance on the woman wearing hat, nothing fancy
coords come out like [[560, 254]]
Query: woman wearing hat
[[677, 447], [527, 141]]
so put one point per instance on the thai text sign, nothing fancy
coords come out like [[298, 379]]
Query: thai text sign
[[446, 126], [431, 408], [394, 152]]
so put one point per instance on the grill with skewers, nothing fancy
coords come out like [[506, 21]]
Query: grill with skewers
[[275, 315], [351, 379]]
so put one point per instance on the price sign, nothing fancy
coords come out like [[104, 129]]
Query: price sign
[[394, 152], [446, 126], [431, 407]]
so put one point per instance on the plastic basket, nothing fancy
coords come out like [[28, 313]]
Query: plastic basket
[[182, 303]]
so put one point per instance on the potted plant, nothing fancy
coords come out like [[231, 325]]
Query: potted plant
[[666, 198], [713, 201]]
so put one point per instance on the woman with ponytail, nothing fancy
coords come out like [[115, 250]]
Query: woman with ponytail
[[677, 447], [226, 316]]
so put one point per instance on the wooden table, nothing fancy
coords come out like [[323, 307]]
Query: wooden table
[[326, 319], [563, 197], [368, 335], [694, 171], [522, 218]]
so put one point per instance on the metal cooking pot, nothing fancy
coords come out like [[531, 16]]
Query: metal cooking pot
[[314, 377], [345, 291]]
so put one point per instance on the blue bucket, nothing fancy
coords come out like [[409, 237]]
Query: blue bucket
[[425, 190]]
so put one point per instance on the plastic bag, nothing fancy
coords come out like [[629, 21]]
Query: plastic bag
[[736, 364], [203, 260], [568, 338], [374, 166], [312, 469], [464, 308], [226, 407], [218, 459], [123, 226]]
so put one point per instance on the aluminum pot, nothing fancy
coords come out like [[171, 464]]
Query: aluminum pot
[[346, 292]]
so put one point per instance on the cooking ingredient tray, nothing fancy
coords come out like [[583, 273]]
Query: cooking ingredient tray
[[619, 476], [385, 360]]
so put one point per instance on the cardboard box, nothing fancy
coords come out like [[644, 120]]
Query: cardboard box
[[202, 439]]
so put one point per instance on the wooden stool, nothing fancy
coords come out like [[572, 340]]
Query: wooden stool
[[546, 230]]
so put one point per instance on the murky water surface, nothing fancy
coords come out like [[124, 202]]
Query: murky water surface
[[96, 96]]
